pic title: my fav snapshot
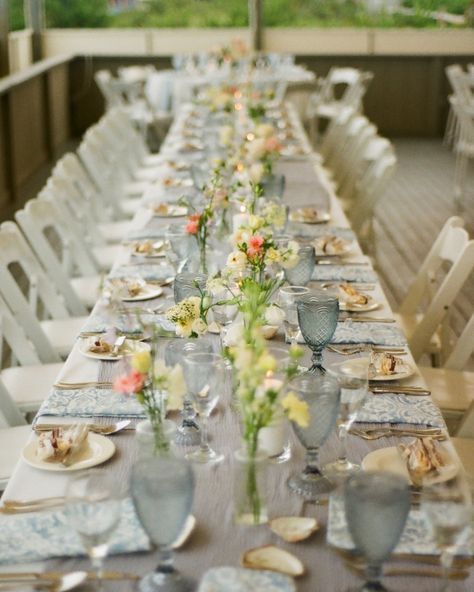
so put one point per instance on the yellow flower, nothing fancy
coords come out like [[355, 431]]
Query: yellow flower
[[296, 409], [141, 361]]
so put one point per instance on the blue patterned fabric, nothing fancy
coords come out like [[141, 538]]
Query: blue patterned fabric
[[344, 273], [41, 535], [90, 402], [392, 408], [417, 537]]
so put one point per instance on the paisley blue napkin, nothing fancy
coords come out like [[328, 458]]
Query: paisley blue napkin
[[90, 402], [147, 271], [392, 408], [344, 273], [373, 333], [41, 535], [417, 537]]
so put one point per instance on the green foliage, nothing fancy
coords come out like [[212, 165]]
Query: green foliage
[[76, 13]]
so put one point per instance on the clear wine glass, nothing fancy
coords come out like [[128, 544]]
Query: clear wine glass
[[287, 298], [301, 273], [352, 376], [376, 506], [322, 394], [93, 506], [162, 489], [317, 317], [447, 508], [188, 433], [204, 374]]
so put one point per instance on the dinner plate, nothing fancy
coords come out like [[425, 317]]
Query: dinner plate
[[390, 460], [346, 248], [98, 450], [147, 292], [173, 211], [371, 304], [409, 371], [130, 346], [158, 250], [299, 216]]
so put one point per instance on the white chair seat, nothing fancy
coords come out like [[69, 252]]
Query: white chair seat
[[465, 450], [114, 232], [450, 389], [12, 441], [107, 255], [62, 333], [88, 289], [30, 385]]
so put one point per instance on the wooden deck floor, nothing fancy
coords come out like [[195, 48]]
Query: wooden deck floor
[[410, 214]]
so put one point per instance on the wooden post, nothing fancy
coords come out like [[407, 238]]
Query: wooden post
[[34, 20], [4, 30], [256, 24]]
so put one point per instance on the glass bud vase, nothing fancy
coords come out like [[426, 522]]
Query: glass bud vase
[[150, 442], [250, 507]]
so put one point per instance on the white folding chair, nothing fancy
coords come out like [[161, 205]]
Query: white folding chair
[[26, 379], [421, 328], [28, 292], [67, 261]]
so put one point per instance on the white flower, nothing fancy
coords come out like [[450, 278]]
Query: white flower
[[237, 260], [256, 172], [274, 315], [264, 130], [233, 335], [226, 133], [256, 149]]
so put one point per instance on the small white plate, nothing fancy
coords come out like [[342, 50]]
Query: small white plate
[[98, 450], [299, 216], [173, 211], [409, 371], [130, 346], [146, 293], [390, 460], [371, 304]]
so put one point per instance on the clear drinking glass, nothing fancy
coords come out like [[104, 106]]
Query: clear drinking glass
[[204, 374], [187, 284], [188, 433], [322, 394], [162, 489], [447, 507], [377, 506], [287, 298], [352, 376], [302, 272], [93, 505], [317, 317]]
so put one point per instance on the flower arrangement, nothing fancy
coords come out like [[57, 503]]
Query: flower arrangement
[[260, 399], [155, 386]]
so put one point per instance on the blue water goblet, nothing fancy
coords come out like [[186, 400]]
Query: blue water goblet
[[318, 313], [162, 489], [322, 395], [301, 273], [376, 506]]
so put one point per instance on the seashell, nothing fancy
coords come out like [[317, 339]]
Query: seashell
[[294, 528], [269, 331], [274, 559]]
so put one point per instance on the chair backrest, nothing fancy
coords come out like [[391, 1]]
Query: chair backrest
[[40, 217], [453, 246], [464, 348]]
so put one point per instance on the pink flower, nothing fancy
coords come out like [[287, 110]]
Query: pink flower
[[255, 245], [192, 227], [272, 144], [129, 383]]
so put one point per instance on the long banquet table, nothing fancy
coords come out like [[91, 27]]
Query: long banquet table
[[217, 540]]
